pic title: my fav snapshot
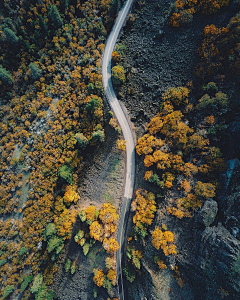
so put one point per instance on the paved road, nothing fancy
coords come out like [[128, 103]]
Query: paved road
[[128, 136]]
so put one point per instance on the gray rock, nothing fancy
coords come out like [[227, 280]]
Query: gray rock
[[218, 257], [208, 212]]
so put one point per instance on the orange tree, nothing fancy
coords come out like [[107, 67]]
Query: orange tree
[[183, 10]]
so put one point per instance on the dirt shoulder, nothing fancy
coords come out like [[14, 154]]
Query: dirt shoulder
[[102, 181]]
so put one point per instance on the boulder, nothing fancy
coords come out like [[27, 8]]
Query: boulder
[[208, 212]]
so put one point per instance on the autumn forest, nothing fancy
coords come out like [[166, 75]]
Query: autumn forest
[[56, 123]]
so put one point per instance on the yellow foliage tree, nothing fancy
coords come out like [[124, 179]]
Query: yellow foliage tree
[[147, 143], [185, 206], [164, 240], [185, 185], [176, 96], [65, 221], [91, 213], [98, 278], [145, 207], [96, 231], [121, 144], [110, 245], [108, 213], [70, 195], [112, 276]]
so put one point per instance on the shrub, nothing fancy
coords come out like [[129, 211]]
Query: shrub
[[121, 49], [90, 88], [130, 273], [44, 293], [210, 88], [2, 262], [54, 244], [10, 36], [215, 103], [155, 179], [79, 236], [73, 268], [67, 265], [9, 23], [50, 230], [107, 285], [55, 16], [23, 250], [86, 247], [82, 215], [92, 104]]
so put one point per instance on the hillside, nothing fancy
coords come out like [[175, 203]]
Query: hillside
[[63, 155]]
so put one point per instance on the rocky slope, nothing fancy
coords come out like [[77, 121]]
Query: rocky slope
[[159, 57]]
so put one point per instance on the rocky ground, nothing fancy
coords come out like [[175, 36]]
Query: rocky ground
[[103, 181], [159, 57]]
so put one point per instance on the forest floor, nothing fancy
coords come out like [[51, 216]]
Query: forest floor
[[103, 181]]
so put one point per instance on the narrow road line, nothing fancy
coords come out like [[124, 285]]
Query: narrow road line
[[128, 136]]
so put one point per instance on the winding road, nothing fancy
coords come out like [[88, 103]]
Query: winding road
[[128, 136]]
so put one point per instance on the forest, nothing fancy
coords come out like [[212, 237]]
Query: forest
[[51, 115]]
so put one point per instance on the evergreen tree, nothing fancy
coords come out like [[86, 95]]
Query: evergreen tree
[[7, 291], [55, 16], [65, 173], [35, 71], [10, 36], [5, 76]]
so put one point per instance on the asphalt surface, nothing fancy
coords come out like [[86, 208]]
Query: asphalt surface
[[124, 122]]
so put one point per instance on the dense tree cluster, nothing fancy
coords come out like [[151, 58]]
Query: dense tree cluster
[[164, 240], [180, 155], [183, 10], [219, 51], [51, 91], [100, 225], [144, 206]]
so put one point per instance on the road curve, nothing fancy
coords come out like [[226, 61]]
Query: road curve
[[128, 136]]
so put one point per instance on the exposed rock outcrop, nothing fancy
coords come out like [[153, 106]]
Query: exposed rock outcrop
[[218, 259], [208, 212]]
